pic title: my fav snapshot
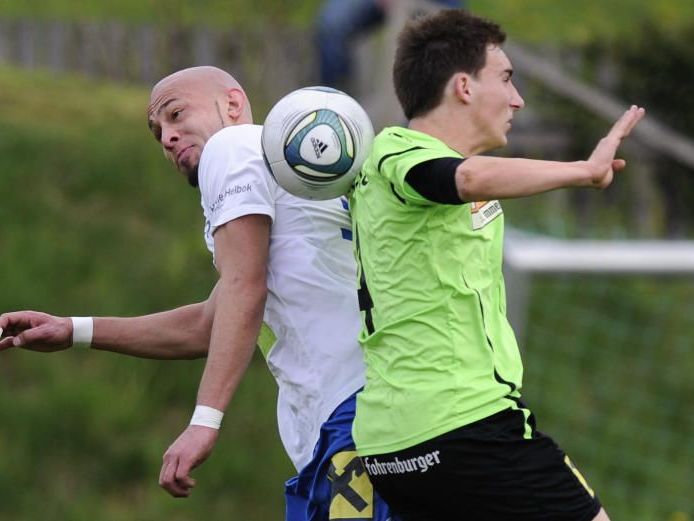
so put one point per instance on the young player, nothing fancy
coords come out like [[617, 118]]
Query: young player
[[281, 260], [440, 425]]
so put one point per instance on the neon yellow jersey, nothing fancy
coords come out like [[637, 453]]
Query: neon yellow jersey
[[439, 350]]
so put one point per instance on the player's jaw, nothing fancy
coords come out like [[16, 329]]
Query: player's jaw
[[186, 158]]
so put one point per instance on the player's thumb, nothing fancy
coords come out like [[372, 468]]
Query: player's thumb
[[183, 474], [618, 164]]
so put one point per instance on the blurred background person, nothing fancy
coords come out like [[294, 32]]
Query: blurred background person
[[339, 22]]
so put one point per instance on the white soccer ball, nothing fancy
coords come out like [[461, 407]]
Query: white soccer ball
[[315, 140]]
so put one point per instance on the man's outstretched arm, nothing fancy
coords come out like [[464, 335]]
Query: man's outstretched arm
[[482, 178], [181, 333]]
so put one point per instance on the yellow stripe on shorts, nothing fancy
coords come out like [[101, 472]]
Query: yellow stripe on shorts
[[579, 476]]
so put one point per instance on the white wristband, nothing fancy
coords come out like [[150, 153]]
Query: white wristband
[[207, 417], [82, 330]]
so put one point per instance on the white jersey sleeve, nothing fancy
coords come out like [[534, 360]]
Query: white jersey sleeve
[[233, 178]]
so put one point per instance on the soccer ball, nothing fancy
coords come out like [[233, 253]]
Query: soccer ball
[[315, 140]]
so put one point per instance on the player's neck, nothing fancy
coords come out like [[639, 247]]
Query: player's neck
[[451, 127]]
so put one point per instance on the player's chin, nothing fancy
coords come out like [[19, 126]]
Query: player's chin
[[193, 178], [498, 141], [190, 173]]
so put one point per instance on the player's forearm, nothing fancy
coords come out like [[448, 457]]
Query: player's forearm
[[237, 322], [481, 178], [181, 333]]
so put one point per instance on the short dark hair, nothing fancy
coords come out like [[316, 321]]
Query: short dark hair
[[432, 48]]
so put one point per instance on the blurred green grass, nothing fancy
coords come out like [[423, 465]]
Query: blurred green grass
[[607, 372]]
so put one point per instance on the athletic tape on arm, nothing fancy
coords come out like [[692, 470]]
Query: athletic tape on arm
[[82, 331], [207, 417]]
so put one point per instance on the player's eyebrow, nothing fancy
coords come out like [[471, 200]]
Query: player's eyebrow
[[150, 121], [150, 110], [166, 104]]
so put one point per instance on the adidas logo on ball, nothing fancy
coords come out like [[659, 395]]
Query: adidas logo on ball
[[318, 146]]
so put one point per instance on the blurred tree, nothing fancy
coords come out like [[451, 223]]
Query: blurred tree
[[655, 71]]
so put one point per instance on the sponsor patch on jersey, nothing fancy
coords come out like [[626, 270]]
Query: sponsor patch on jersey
[[484, 212], [352, 492], [228, 192]]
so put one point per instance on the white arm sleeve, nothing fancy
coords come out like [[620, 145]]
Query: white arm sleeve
[[234, 180]]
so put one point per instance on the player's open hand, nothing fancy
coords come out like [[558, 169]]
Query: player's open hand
[[602, 162], [35, 331], [191, 448]]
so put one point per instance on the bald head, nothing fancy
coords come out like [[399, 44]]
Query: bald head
[[205, 77], [204, 80], [188, 107]]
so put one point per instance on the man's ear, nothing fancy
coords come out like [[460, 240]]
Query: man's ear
[[236, 101], [462, 87]]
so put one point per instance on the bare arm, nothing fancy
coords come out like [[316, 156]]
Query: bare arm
[[181, 333], [241, 250], [482, 178]]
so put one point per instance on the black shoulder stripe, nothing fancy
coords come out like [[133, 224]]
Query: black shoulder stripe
[[392, 187], [388, 156]]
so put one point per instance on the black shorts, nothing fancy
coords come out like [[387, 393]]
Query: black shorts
[[485, 471]]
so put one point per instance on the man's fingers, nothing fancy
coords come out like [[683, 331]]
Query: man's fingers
[[640, 116], [11, 321], [17, 321], [4, 320], [167, 479], [168, 470], [35, 335], [635, 117], [6, 343], [182, 474], [174, 477], [620, 127], [624, 125]]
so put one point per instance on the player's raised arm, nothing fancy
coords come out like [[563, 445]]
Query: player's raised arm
[[481, 178]]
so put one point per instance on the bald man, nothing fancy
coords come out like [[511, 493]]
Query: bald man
[[282, 261]]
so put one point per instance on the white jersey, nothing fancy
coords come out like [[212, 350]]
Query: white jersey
[[312, 306]]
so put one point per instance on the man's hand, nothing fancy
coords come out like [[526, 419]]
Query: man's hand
[[191, 448], [602, 162], [35, 331]]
